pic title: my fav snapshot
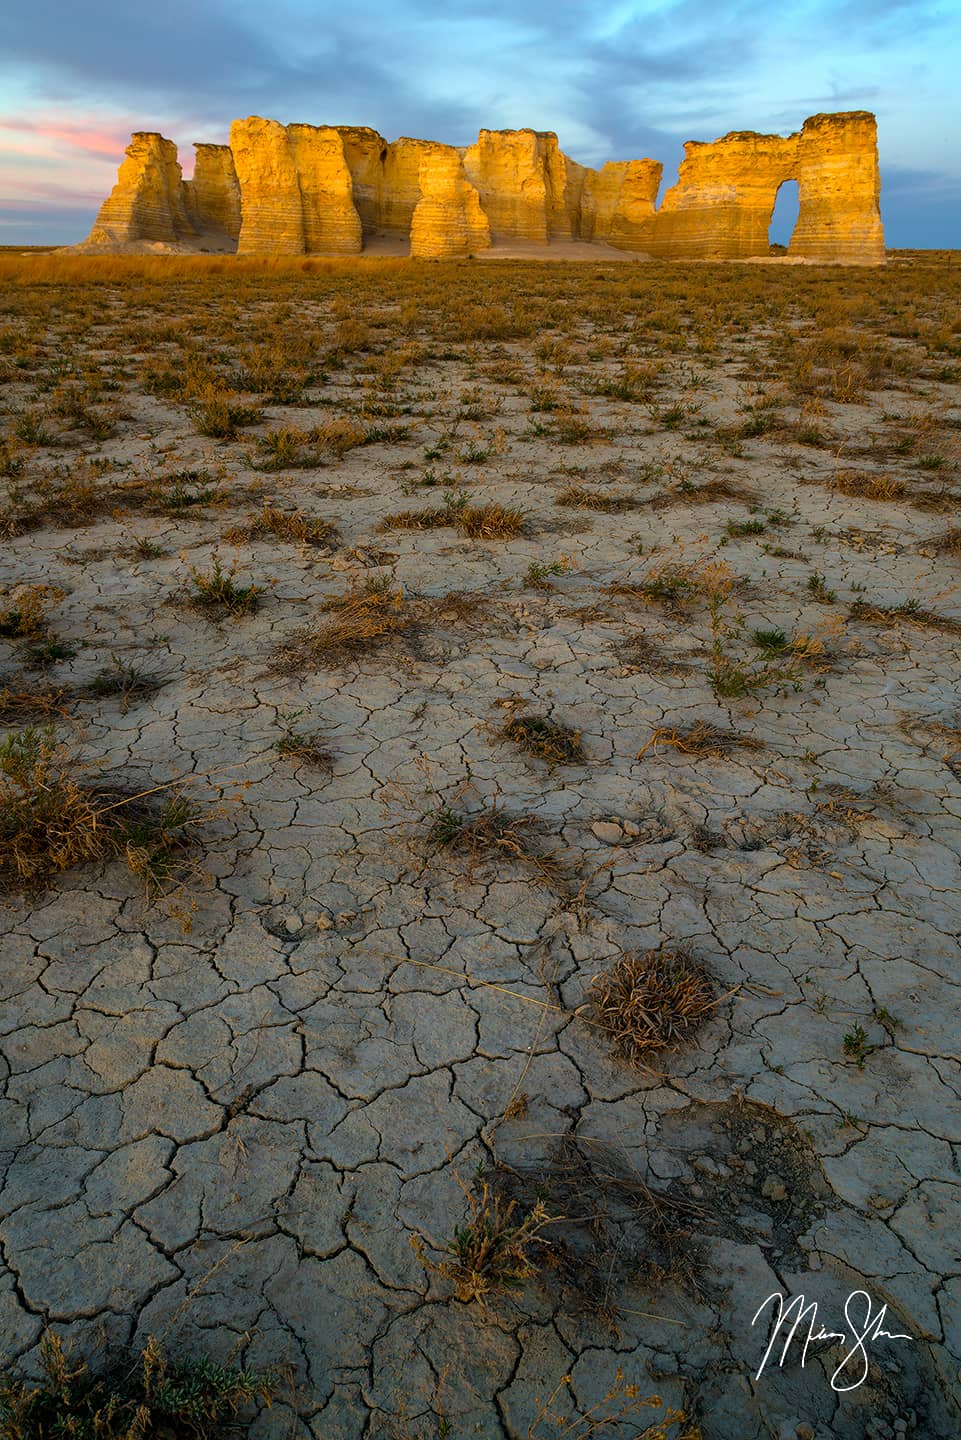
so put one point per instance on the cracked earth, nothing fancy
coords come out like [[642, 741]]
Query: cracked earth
[[226, 1112]]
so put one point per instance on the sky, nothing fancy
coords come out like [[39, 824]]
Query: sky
[[615, 80]]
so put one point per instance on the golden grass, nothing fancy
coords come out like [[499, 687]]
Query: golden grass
[[51, 819], [581, 498], [294, 526], [861, 484]]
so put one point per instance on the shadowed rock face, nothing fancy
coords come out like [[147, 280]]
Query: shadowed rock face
[[304, 189], [212, 197]]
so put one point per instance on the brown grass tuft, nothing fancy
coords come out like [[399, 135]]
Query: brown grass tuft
[[863, 485], [493, 835], [650, 1002], [701, 739], [547, 739], [581, 498]]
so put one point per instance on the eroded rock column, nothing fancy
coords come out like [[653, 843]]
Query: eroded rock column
[[839, 188], [147, 202], [721, 206], [272, 221], [331, 222], [212, 197], [448, 221]]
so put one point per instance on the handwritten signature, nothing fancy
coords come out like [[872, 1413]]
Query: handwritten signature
[[791, 1316]]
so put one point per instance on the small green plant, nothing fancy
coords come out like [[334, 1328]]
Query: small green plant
[[772, 642], [856, 1045], [547, 739], [735, 529], [125, 680], [216, 591], [142, 1397], [818, 587], [538, 576], [308, 746]]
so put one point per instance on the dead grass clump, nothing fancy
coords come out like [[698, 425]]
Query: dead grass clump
[[612, 1229], [909, 612], [702, 739], [947, 544], [474, 522], [493, 835], [497, 1248], [364, 619], [490, 522], [650, 1002], [547, 739], [581, 498], [51, 820], [295, 526], [709, 493], [433, 519], [18, 707], [861, 484]]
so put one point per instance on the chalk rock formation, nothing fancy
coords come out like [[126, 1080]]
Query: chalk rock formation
[[448, 221], [618, 202], [365, 152], [212, 197], [304, 189], [721, 206], [839, 189], [147, 202], [506, 168], [272, 219], [331, 223]]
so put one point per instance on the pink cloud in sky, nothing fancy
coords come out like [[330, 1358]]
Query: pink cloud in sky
[[93, 136]]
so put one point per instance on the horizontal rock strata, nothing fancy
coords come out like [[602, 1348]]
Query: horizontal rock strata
[[306, 189]]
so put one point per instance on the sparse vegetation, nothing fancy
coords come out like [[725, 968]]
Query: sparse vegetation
[[147, 1396]]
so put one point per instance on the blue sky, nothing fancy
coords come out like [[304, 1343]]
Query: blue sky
[[615, 80]]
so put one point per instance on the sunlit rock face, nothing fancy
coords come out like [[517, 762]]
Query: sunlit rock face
[[272, 214], [618, 203], [329, 190], [507, 169], [448, 221], [839, 187], [147, 203], [330, 219], [721, 206]]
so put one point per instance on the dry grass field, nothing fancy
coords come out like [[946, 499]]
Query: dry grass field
[[480, 819]]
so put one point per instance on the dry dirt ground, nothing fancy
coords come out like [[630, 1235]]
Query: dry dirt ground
[[230, 1102]]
